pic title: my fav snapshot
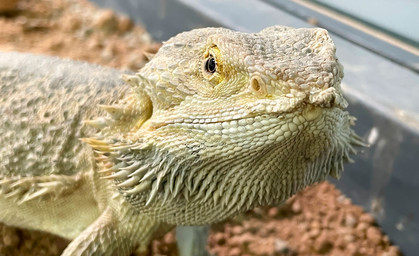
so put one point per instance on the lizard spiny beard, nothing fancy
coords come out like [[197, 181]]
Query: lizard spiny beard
[[182, 174]]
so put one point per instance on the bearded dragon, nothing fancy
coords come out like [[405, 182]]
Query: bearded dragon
[[217, 123]]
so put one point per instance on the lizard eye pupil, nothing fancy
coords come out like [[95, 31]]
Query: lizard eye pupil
[[211, 65]]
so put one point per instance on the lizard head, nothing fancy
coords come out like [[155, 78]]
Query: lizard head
[[223, 106], [232, 75]]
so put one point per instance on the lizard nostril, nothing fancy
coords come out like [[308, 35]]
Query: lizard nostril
[[257, 85]]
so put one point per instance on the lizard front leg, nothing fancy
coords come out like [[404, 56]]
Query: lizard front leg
[[115, 232]]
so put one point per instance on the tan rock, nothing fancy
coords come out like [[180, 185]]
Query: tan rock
[[281, 246], [314, 233], [11, 239], [124, 24], [8, 5], [71, 23], [350, 220], [273, 212], [374, 234], [106, 22], [296, 207], [367, 218], [323, 245], [237, 230], [392, 251], [219, 238], [235, 251]]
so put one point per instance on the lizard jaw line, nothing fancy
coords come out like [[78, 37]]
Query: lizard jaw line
[[244, 124]]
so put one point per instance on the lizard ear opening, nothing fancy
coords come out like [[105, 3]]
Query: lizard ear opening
[[257, 86]]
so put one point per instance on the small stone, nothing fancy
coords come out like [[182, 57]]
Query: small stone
[[135, 61], [362, 227], [246, 239], [303, 226], [235, 251], [271, 227], [366, 218], [263, 232], [252, 229], [350, 220], [392, 251], [259, 212], [323, 245], [71, 23], [106, 22], [8, 5], [11, 239], [347, 201], [219, 238], [352, 250], [287, 232], [296, 207], [94, 43], [262, 246], [305, 239], [237, 230], [152, 47], [341, 198], [374, 234], [362, 251], [308, 216], [315, 224], [125, 24], [55, 45], [108, 53], [349, 238], [27, 245], [227, 228], [281, 246], [314, 233], [273, 212], [340, 242]]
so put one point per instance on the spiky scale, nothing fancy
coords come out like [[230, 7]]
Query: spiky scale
[[118, 175], [140, 171], [99, 123], [31, 196], [130, 182], [115, 111], [142, 187], [149, 55]]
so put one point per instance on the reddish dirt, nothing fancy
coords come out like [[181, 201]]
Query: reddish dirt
[[317, 221], [76, 30]]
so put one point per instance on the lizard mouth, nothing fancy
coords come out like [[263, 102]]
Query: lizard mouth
[[259, 113], [290, 122], [227, 125]]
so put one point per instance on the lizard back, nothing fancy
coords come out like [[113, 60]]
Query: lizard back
[[42, 112]]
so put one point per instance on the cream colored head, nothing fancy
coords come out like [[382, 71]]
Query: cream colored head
[[241, 70]]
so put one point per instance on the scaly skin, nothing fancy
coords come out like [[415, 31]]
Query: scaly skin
[[218, 122]]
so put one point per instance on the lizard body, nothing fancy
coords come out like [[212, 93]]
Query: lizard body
[[218, 122]]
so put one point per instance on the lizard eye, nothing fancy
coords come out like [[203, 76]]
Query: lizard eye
[[211, 64]]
